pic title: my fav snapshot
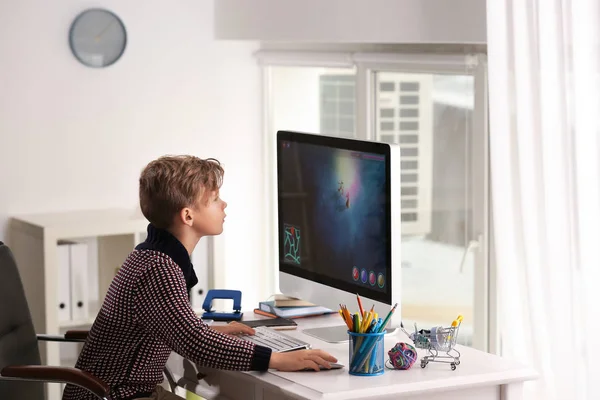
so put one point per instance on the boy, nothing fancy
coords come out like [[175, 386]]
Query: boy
[[147, 314]]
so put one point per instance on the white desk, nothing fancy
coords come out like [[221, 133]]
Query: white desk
[[480, 376]]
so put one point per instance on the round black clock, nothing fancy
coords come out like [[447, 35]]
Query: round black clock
[[97, 38]]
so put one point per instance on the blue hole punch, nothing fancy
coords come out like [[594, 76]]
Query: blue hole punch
[[212, 294]]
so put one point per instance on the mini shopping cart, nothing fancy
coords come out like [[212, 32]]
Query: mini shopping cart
[[439, 343]]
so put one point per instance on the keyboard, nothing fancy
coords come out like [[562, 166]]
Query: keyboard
[[275, 340]]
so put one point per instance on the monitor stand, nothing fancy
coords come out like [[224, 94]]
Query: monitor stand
[[334, 334]]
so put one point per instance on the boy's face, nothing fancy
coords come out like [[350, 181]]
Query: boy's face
[[209, 215]]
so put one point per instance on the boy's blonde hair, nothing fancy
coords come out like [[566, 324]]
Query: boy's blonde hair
[[171, 183]]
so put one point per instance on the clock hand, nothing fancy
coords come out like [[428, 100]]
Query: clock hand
[[98, 36]]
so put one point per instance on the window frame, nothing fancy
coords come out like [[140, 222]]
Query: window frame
[[485, 332]]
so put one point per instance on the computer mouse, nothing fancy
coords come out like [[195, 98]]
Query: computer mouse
[[322, 368]]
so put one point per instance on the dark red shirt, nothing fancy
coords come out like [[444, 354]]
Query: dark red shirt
[[145, 316]]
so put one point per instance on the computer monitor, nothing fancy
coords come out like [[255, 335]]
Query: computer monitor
[[339, 224]]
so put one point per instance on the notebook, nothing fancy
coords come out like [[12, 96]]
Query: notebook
[[275, 323], [280, 300], [292, 312]]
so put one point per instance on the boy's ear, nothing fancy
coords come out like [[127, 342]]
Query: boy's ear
[[186, 216]]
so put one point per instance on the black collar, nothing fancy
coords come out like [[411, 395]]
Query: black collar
[[163, 241]]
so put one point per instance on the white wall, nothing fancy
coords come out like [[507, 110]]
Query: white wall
[[295, 99], [353, 21], [73, 137]]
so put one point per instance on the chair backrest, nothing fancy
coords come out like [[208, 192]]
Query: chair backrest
[[18, 340]]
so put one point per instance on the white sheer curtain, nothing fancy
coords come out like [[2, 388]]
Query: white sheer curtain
[[544, 67]]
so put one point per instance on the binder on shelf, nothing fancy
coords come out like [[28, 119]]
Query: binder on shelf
[[64, 282], [292, 312], [93, 279], [72, 281], [197, 296], [79, 282]]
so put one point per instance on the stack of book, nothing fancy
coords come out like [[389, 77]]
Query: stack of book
[[289, 307]]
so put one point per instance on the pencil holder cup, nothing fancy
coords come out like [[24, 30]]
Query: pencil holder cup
[[367, 354]]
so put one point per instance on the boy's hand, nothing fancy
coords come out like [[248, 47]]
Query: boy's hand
[[234, 328], [301, 359]]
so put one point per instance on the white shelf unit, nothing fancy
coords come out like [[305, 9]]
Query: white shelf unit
[[33, 240], [111, 236]]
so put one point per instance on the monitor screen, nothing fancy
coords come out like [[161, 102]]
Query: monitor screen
[[334, 221]]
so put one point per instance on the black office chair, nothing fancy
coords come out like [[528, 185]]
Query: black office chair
[[19, 352]]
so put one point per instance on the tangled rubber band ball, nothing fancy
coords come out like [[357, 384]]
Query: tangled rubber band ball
[[402, 356]]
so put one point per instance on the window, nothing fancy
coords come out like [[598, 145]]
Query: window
[[403, 109], [337, 94], [428, 116], [434, 109], [311, 99]]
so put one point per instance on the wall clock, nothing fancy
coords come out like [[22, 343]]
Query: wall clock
[[97, 38]]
